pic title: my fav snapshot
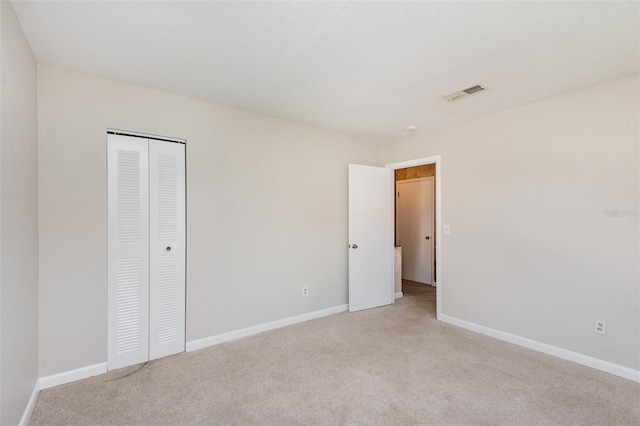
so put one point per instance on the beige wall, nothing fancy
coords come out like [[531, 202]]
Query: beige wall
[[253, 240], [18, 219], [531, 250]]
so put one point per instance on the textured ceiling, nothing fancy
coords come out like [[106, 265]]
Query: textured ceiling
[[362, 68]]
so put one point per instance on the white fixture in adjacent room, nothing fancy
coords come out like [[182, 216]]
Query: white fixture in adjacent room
[[414, 228]]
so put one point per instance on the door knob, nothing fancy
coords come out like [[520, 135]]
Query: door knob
[[427, 237], [168, 248], [354, 246]]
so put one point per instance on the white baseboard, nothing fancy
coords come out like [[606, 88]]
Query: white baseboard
[[93, 370], [73, 375], [24, 421], [399, 294], [249, 331], [96, 369], [598, 364]]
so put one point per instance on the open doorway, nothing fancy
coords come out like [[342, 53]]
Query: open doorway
[[417, 232], [415, 222]]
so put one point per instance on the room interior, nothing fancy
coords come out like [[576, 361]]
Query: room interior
[[539, 180]]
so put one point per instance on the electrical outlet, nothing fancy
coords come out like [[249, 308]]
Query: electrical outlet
[[305, 291], [600, 327]]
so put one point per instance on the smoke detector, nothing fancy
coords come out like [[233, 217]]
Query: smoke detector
[[462, 93]]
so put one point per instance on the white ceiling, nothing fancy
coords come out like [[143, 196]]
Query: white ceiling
[[363, 68]]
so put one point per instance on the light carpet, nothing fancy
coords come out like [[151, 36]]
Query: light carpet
[[394, 365]]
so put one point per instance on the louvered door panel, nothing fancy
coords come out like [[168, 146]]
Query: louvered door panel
[[167, 248], [128, 251]]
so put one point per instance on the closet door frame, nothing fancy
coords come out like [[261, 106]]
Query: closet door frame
[[153, 341]]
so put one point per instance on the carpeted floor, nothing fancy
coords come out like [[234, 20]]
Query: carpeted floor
[[394, 365]]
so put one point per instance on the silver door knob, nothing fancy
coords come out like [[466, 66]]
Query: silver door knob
[[354, 246], [427, 237], [168, 248]]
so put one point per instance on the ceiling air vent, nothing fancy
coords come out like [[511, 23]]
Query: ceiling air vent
[[459, 94]]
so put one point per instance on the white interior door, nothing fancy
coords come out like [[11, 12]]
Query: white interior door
[[414, 230], [128, 251], [167, 248], [370, 237]]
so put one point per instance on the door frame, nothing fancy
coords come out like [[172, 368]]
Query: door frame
[[437, 160]]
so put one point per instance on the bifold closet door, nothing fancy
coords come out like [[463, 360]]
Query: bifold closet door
[[146, 238], [166, 248], [128, 251]]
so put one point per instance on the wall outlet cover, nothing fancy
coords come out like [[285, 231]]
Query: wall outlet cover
[[600, 327]]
